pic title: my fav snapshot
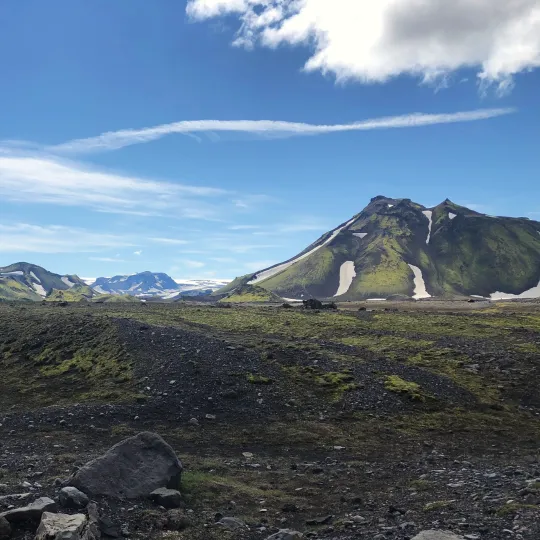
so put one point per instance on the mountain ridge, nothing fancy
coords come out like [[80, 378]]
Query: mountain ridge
[[400, 247]]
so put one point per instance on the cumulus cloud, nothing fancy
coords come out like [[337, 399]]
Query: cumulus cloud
[[113, 140], [374, 40]]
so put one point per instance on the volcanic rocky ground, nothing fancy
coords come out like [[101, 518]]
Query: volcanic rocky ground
[[372, 424]]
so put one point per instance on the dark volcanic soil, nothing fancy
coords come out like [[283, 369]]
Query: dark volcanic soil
[[296, 416]]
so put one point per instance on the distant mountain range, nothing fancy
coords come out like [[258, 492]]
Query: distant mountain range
[[25, 281], [394, 248], [398, 248], [155, 284]]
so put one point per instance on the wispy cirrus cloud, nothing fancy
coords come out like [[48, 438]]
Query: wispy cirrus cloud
[[29, 238], [170, 241], [107, 259], [47, 179], [113, 140]]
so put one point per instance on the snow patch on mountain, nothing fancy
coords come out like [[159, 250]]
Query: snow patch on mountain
[[16, 273], [265, 274], [531, 293], [428, 214], [68, 282], [360, 235], [452, 216], [420, 290], [346, 275], [39, 289], [35, 277]]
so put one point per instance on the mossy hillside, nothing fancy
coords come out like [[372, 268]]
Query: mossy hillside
[[234, 284], [250, 294], [48, 280], [394, 383], [316, 275], [54, 358], [77, 293], [115, 299], [12, 289], [481, 255]]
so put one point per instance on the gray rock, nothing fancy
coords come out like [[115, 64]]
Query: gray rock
[[5, 529], [60, 527], [233, 524], [169, 498], [177, 520], [71, 497], [32, 512], [130, 469], [437, 535], [92, 531], [286, 534]]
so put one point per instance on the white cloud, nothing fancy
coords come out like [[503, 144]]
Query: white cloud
[[243, 227], [193, 264], [48, 179], [107, 259], [171, 241], [138, 252], [269, 128], [25, 237], [374, 40]]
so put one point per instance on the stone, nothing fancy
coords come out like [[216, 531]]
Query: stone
[[5, 529], [109, 527], [177, 520], [130, 469], [233, 524], [92, 531], [71, 497], [437, 535], [168, 498], [286, 534], [32, 512], [60, 526]]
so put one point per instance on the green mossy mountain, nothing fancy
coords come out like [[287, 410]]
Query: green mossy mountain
[[458, 252], [251, 293], [25, 281]]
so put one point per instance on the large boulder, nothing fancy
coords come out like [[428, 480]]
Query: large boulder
[[60, 527], [437, 535], [5, 529], [32, 512], [130, 469]]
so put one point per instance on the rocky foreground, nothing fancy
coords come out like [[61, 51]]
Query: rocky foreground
[[273, 423]]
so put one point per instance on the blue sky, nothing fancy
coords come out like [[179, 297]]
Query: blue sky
[[213, 191]]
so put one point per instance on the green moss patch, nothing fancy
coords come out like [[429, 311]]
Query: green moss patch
[[394, 383]]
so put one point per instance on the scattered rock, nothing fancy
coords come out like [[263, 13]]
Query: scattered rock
[[71, 497], [177, 520], [286, 534], [168, 498], [109, 528], [233, 524], [312, 303], [132, 468], [32, 512], [5, 529], [92, 532], [60, 526], [437, 535], [319, 521]]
